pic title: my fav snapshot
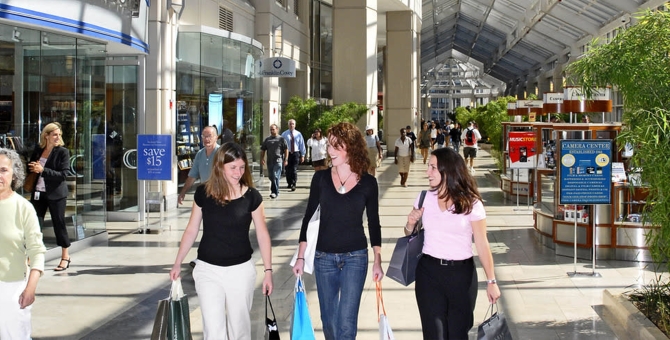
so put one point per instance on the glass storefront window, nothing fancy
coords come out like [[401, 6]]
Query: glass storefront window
[[216, 86], [48, 77]]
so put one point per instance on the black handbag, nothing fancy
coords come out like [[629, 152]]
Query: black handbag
[[495, 327], [407, 252], [271, 329]]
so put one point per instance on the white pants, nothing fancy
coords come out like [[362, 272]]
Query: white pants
[[14, 321], [225, 295]]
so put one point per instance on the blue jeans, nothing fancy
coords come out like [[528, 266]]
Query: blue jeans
[[339, 284], [275, 174]]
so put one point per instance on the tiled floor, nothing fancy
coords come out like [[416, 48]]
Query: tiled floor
[[111, 290]]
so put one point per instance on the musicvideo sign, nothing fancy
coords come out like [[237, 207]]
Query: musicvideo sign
[[522, 153]]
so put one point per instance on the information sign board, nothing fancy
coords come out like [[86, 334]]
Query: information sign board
[[154, 157], [586, 171]]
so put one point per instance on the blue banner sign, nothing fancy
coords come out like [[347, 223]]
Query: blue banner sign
[[586, 171], [154, 157]]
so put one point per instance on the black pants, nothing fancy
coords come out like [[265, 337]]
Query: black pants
[[446, 297], [57, 212], [292, 168]]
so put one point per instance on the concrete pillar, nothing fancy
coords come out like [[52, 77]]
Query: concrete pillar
[[558, 77], [160, 87], [401, 73], [355, 55]]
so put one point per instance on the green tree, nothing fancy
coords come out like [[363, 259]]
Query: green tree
[[304, 111], [637, 63]]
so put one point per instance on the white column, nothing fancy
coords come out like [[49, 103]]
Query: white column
[[401, 73], [355, 55]]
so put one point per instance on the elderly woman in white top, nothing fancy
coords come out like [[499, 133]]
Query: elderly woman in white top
[[318, 145], [20, 243]]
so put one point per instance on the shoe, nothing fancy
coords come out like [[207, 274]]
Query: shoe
[[61, 268], [273, 195], [472, 171], [293, 187]]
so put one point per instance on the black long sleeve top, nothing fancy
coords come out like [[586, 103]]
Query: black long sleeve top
[[341, 226]]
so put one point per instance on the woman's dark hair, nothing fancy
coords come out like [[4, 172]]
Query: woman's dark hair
[[349, 136], [217, 186], [17, 167], [455, 181]]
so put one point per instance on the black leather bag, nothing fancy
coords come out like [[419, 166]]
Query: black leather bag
[[406, 255], [495, 327]]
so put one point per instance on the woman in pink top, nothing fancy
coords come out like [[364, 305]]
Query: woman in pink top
[[446, 278]]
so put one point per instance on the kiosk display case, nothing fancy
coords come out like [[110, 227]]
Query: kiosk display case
[[619, 233]]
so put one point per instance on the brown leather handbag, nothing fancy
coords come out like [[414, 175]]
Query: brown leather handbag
[[30, 182]]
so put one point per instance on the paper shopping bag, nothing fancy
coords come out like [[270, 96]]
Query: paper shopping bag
[[177, 325], [312, 237], [301, 328], [495, 327], [271, 329], [385, 332]]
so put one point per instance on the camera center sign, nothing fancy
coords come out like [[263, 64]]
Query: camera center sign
[[276, 67]]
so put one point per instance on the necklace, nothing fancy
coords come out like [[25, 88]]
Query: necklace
[[342, 189]]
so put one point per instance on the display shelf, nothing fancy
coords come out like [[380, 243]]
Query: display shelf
[[188, 135]]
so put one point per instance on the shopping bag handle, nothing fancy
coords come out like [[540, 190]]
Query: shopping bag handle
[[490, 311], [380, 299], [176, 290], [299, 284], [268, 302]]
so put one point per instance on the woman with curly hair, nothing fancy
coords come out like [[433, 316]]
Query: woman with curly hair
[[344, 192]]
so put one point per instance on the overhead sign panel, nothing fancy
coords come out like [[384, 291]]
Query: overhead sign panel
[[276, 67]]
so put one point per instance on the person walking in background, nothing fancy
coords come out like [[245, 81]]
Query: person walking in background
[[424, 141], [404, 155], [440, 140], [470, 136], [319, 150], [446, 278], [410, 135], [433, 134], [344, 192], [455, 136], [202, 164], [52, 162], [20, 243], [225, 275], [277, 152], [374, 149], [296, 153], [227, 135]]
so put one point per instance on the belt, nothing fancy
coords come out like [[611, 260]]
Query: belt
[[444, 262]]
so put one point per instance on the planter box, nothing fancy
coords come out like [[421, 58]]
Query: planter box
[[628, 319]]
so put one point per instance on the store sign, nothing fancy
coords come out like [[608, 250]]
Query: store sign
[[586, 168], [154, 157], [522, 153], [553, 98], [276, 67], [528, 104], [575, 93]]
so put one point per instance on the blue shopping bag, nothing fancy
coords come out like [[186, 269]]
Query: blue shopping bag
[[301, 328]]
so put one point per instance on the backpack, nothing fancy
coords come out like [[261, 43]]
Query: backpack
[[470, 137]]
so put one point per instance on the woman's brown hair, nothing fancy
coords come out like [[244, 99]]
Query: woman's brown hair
[[349, 136], [455, 181], [217, 187]]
